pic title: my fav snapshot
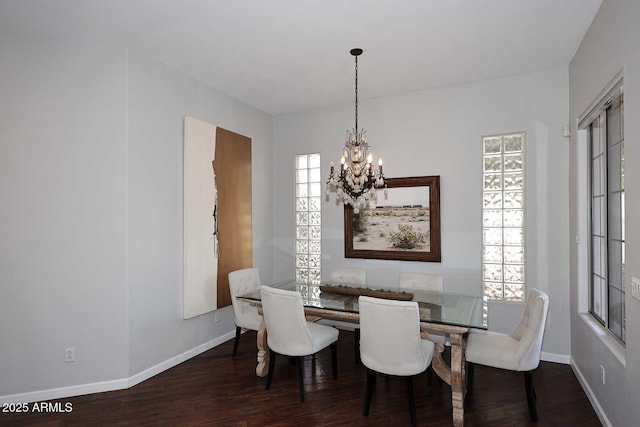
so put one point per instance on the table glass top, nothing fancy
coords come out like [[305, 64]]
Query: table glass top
[[435, 307]]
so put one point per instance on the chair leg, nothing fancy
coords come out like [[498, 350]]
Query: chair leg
[[334, 359], [272, 365], [300, 367], [412, 403], [430, 380], [356, 340], [371, 380], [470, 368], [236, 341], [531, 395]]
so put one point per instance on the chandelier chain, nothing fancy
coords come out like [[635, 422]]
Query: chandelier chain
[[356, 95]]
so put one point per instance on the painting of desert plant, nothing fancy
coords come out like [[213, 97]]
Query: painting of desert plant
[[392, 228], [404, 225]]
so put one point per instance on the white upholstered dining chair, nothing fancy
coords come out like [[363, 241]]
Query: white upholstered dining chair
[[517, 351], [347, 276], [390, 344], [246, 316], [424, 282], [289, 333]]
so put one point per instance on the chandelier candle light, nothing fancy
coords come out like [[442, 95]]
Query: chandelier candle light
[[357, 180]]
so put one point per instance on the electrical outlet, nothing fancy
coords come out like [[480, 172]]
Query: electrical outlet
[[70, 354], [602, 374]]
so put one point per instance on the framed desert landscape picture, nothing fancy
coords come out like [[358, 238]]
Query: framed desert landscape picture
[[405, 225]]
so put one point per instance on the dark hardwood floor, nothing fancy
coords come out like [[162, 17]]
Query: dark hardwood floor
[[214, 389]]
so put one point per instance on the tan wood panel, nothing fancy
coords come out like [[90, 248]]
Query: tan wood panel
[[232, 166]]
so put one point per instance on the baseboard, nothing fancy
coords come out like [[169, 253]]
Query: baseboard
[[62, 392], [119, 384], [592, 398], [176, 360], [555, 358]]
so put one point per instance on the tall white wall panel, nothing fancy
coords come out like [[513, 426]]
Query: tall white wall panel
[[200, 242]]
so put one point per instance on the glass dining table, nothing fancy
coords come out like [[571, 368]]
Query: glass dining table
[[447, 313]]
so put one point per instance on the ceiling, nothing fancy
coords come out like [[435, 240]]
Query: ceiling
[[288, 55]]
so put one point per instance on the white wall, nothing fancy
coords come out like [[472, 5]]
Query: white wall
[[159, 98], [438, 132], [63, 217], [611, 44], [91, 215]]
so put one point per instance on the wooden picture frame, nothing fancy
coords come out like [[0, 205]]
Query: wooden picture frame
[[404, 226]]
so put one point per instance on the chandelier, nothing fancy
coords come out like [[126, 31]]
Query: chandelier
[[357, 180]]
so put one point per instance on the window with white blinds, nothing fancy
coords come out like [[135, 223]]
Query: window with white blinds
[[605, 134]]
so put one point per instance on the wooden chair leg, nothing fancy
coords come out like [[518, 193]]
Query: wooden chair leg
[[531, 395], [334, 359], [236, 341], [412, 403], [371, 380], [470, 368], [300, 367], [272, 365]]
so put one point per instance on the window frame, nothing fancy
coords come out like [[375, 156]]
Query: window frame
[[599, 112]]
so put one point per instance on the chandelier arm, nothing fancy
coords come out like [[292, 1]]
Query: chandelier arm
[[353, 193]]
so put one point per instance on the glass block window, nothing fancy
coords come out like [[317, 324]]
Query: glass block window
[[308, 218], [607, 219], [503, 266], [310, 294]]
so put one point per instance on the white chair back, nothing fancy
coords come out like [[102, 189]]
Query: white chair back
[[517, 351], [243, 282], [422, 281], [287, 330], [530, 330], [390, 340], [349, 276]]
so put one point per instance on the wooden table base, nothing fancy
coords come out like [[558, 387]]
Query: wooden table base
[[454, 375], [263, 351]]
